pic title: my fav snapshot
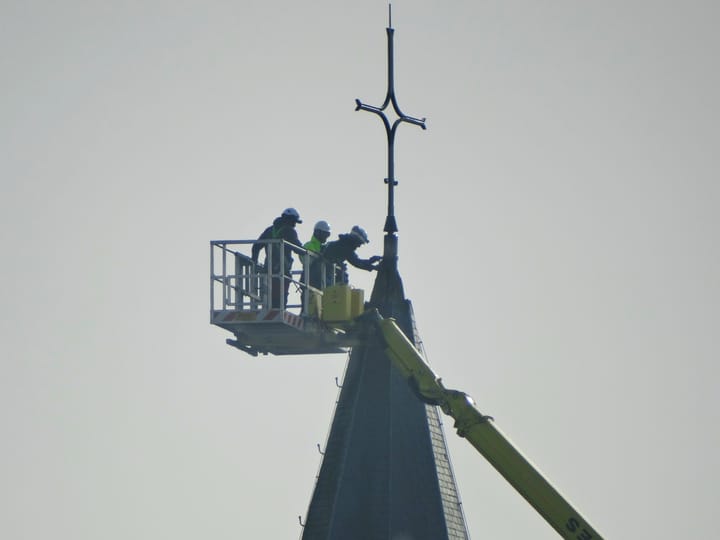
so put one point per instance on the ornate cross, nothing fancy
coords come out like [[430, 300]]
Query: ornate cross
[[390, 223]]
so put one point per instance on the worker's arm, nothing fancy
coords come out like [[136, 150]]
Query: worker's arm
[[292, 237], [364, 264], [259, 245], [255, 253]]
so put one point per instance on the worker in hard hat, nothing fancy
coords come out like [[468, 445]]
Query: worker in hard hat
[[316, 245], [343, 249], [321, 232], [283, 227]]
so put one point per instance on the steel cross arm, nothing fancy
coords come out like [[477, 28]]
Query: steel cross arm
[[360, 106], [390, 223]]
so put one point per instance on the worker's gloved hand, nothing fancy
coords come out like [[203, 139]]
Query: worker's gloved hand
[[375, 258]]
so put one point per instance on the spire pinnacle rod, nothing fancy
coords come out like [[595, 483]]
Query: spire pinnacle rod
[[390, 129]]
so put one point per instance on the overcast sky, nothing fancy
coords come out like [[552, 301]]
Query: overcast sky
[[558, 238]]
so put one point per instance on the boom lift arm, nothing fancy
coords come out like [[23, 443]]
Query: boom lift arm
[[481, 432]]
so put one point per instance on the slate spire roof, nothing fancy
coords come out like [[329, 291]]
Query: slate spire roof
[[385, 473]]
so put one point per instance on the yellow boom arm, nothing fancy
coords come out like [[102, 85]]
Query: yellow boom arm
[[481, 432]]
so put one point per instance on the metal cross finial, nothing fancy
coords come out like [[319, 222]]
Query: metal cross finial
[[390, 223]]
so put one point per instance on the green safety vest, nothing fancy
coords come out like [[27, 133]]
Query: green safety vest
[[313, 245]]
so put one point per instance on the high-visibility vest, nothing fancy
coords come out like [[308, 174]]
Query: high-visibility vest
[[313, 245]]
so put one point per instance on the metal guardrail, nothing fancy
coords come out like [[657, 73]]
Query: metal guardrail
[[237, 283]]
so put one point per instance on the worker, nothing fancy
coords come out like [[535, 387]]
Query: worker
[[343, 249], [283, 228], [321, 232]]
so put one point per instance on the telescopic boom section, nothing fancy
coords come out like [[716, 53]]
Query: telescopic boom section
[[481, 432]]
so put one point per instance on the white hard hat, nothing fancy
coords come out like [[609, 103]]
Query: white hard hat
[[323, 226], [360, 234], [291, 212]]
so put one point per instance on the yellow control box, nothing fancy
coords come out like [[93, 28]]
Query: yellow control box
[[357, 302], [336, 303]]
